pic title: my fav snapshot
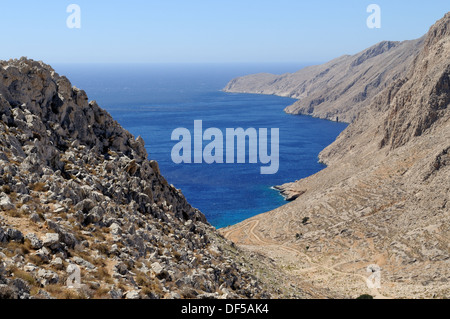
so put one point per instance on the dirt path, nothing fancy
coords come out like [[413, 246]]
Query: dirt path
[[253, 239]]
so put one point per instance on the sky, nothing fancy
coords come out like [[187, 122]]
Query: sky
[[206, 31]]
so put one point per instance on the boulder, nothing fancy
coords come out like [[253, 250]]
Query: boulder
[[51, 241], [5, 202], [134, 294], [14, 235], [36, 243]]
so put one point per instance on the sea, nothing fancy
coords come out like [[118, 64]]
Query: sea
[[152, 100]]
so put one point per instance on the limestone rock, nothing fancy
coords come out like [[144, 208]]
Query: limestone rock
[[51, 240], [36, 243]]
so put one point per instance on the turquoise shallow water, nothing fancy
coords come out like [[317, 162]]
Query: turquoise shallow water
[[153, 100]]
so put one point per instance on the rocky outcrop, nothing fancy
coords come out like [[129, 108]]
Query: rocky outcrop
[[383, 199], [77, 190], [339, 89]]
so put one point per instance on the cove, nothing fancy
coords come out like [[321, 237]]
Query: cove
[[153, 100]]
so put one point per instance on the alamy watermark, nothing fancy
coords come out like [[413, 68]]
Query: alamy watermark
[[234, 144], [74, 279], [74, 19], [374, 20], [374, 280]]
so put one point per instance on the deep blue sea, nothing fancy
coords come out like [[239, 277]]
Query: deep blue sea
[[153, 100]]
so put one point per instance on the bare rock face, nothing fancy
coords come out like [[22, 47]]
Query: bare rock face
[[408, 108], [424, 98], [78, 189], [383, 199], [339, 89]]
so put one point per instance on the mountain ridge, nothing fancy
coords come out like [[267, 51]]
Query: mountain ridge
[[339, 89], [383, 198]]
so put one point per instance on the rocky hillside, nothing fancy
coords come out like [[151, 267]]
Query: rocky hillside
[[78, 189], [382, 200], [339, 89]]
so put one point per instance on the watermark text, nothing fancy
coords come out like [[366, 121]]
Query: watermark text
[[233, 142]]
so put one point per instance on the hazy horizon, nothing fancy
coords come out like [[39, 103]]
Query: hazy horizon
[[200, 31]]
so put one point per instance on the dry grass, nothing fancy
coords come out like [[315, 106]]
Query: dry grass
[[62, 292], [141, 279], [36, 260], [101, 248], [13, 248], [99, 234], [152, 288], [6, 189], [149, 285], [86, 255], [26, 277], [38, 187], [41, 215], [102, 275], [101, 293], [176, 255], [14, 213]]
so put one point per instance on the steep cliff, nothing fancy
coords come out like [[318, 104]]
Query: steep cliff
[[339, 89]]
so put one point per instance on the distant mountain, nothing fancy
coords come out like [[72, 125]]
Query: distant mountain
[[382, 204], [339, 89]]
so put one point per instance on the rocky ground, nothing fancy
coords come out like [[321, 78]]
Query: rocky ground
[[382, 200]]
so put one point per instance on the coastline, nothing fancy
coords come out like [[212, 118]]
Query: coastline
[[286, 110], [289, 195], [156, 113]]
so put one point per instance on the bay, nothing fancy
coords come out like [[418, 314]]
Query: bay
[[153, 100]]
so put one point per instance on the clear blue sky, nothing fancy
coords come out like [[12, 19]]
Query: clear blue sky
[[206, 30]]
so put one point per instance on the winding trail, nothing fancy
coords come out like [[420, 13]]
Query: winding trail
[[251, 225]]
